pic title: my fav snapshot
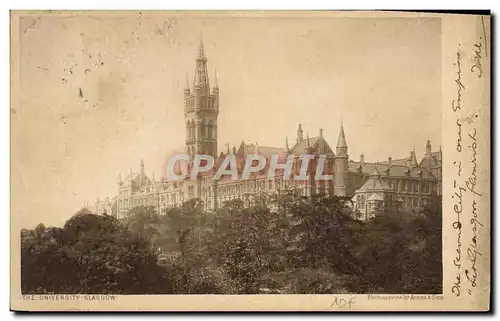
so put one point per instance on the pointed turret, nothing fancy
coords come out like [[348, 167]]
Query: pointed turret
[[286, 144], [341, 143], [216, 80], [215, 90], [120, 178], [412, 160], [187, 90], [308, 145], [321, 142], [341, 164]]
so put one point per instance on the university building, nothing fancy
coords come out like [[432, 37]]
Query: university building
[[396, 184]]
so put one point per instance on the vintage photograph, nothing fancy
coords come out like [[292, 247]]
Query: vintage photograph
[[192, 153], [337, 121]]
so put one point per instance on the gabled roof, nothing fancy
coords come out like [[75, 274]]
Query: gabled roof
[[301, 146], [314, 143], [431, 161], [376, 183], [398, 162]]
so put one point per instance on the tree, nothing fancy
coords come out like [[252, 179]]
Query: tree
[[142, 220], [91, 254], [321, 233], [400, 253], [423, 271], [247, 243]]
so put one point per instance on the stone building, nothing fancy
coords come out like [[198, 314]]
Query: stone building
[[396, 183]]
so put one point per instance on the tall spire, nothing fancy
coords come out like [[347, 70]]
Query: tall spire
[[201, 49], [142, 166], [201, 72], [286, 144], [187, 90], [307, 142], [341, 141]]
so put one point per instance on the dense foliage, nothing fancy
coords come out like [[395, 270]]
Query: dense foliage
[[90, 254], [303, 245]]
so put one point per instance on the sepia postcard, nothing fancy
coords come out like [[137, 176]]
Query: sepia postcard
[[250, 161]]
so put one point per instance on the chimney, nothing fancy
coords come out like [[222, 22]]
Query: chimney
[[428, 149], [362, 159]]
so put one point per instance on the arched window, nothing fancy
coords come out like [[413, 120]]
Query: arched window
[[209, 129]]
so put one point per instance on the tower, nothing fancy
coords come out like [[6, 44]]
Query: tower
[[341, 165], [201, 109]]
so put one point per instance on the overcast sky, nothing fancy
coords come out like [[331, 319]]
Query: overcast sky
[[382, 76]]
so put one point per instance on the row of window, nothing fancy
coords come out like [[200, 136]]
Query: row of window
[[411, 186], [398, 185], [205, 104], [152, 200], [252, 186], [407, 201], [206, 130]]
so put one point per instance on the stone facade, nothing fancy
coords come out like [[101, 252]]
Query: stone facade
[[404, 183]]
